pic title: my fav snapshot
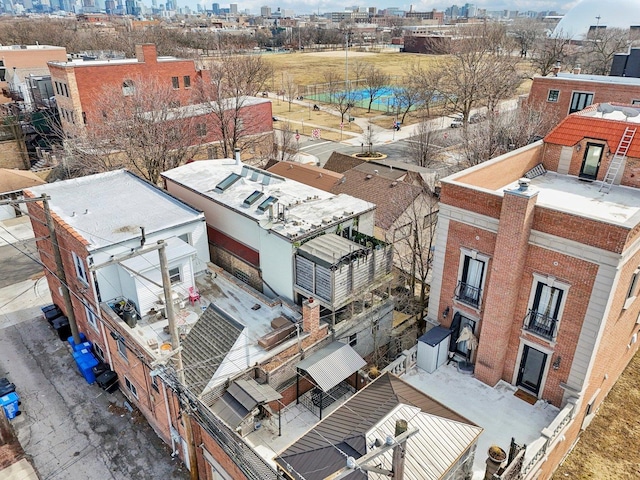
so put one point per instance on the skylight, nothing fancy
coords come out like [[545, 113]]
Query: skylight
[[227, 182], [268, 202], [251, 199]]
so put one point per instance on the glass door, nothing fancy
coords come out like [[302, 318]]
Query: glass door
[[531, 369], [591, 161]]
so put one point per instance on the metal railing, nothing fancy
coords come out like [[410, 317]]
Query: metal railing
[[468, 294], [541, 324]]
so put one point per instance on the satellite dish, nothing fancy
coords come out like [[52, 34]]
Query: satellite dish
[[630, 112], [605, 108]]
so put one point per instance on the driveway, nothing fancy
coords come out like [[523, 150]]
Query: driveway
[[71, 430]]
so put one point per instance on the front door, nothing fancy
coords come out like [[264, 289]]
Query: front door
[[591, 161], [531, 369]]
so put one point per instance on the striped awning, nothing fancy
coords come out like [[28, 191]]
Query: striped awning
[[331, 365]]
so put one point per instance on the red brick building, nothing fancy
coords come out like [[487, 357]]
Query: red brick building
[[78, 84], [565, 93], [545, 269]]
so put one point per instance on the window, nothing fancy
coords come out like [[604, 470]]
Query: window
[[469, 289], [212, 152], [66, 90], [84, 118], [175, 81], [122, 348], [267, 203], [57, 85], [580, 101], [185, 238], [635, 102], [154, 382], [402, 232], [253, 198], [553, 95], [430, 220], [353, 340], [99, 352], [375, 328], [201, 129], [546, 304], [91, 317], [81, 273], [227, 182], [174, 275], [131, 387], [128, 88], [461, 347], [3, 72], [633, 289], [187, 81]]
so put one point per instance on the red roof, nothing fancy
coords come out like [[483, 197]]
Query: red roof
[[582, 125]]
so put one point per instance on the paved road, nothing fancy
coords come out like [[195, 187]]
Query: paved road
[[71, 430]]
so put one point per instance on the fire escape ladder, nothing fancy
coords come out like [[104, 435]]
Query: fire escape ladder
[[618, 159]]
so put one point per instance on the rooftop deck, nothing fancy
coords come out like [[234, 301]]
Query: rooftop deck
[[570, 194]]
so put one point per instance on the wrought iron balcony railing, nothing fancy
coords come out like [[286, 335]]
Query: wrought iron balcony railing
[[468, 294], [541, 324]]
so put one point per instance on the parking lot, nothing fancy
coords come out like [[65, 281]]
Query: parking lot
[[70, 429]]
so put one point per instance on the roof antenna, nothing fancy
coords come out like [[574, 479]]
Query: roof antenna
[[143, 239]]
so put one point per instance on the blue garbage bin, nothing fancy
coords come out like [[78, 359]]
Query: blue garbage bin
[[75, 347], [10, 406]]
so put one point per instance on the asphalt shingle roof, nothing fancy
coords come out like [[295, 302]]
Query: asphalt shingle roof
[[391, 197], [206, 346]]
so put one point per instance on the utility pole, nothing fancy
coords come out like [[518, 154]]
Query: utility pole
[[60, 270], [58, 259], [175, 345]]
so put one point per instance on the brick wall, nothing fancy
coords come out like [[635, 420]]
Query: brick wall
[[10, 155], [231, 264], [484, 203], [603, 92], [508, 262]]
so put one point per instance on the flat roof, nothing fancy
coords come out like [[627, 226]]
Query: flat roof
[[597, 78], [78, 62], [109, 208], [567, 193], [307, 209], [4, 48]]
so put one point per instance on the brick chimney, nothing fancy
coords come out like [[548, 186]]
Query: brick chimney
[[146, 53], [510, 254], [310, 315]]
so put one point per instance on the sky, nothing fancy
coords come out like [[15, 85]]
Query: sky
[[309, 6]]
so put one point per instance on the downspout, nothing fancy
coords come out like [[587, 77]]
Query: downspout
[[174, 452]]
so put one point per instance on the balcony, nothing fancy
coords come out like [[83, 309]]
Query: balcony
[[541, 324], [468, 294]]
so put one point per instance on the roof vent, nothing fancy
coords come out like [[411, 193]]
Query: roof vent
[[523, 184], [368, 177], [393, 184]]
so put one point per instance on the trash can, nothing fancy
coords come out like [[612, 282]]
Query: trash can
[[62, 328], [51, 315], [108, 381], [99, 369], [83, 339], [6, 387], [50, 307], [10, 406], [86, 361]]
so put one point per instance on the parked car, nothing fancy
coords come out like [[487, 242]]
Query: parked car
[[456, 124], [477, 118]]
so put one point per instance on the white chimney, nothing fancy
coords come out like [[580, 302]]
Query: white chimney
[[237, 155]]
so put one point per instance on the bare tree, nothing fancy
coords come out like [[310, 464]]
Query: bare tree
[[413, 239], [596, 54], [143, 130], [343, 101], [375, 83], [285, 148], [427, 84], [504, 132], [234, 80], [421, 148], [290, 88], [548, 51], [332, 80], [526, 32], [480, 71]]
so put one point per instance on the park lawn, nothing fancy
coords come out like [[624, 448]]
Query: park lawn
[[308, 68], [304, 119]]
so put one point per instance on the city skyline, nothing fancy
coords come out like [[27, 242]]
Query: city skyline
[[322, 6]]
